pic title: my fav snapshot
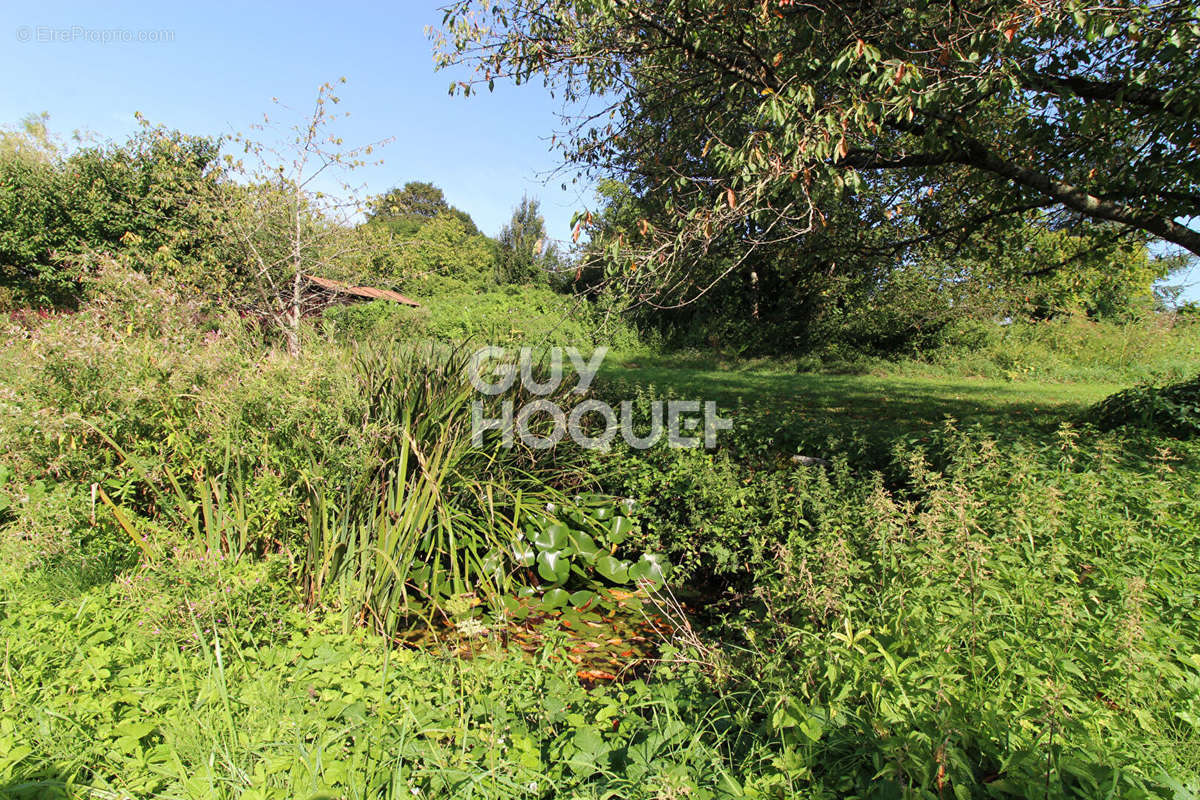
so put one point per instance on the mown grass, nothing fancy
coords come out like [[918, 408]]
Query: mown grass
[[890, 399], [777, 411]]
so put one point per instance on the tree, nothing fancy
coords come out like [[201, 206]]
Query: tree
[[284, 226], [148, 199], [405, 209], [526, 254], [765, 121], [444, 253]]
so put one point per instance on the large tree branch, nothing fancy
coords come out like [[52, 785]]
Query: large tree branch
[[1103, 91], [873, 159], [1078, 199], [973, 154]]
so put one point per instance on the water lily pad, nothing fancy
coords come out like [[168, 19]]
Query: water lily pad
[[524, 554], [555, 598], [619, 529], [585, 546], [552, 537], [649, 572], [553, 565], [614, 569], [582, 597]]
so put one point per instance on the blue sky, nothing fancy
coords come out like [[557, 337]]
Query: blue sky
[[221, 66], [224, 65]]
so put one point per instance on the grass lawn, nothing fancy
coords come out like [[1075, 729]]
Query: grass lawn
[[797, 410]]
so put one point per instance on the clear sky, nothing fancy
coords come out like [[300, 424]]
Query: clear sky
[[220, 66], [217, 68]]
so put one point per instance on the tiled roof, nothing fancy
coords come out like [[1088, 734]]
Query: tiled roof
[[362, 291]]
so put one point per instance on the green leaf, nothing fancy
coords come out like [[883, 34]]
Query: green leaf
[[552, 537], [586, 546], [492, 562], [524, 554], [620, 529], [582, 597], [614, 569], [649, 572], [589, 741], [553, 565], [555, 598]]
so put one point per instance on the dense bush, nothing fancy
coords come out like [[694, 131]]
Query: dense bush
[[931, 626], [442, 252], [142, 390], [1173, 409], [511, 315], [145, 197]]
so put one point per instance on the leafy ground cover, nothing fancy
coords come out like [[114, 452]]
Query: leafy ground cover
[[205, 680], [980, 595]]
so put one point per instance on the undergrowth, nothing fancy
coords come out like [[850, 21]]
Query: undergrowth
[[1004, 607]]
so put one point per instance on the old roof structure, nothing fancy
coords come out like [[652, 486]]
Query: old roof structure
[[367, 292]]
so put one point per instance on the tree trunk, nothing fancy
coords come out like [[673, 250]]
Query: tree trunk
[[293, 315]]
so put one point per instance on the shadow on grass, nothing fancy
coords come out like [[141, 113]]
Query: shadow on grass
[[43, 785], [864, 416]]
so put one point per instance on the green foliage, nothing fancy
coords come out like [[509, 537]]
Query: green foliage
[[741, 127], [1172, 409], [146, 198], [424, 245], [442, 255], [1090, 270], [198, 536], [202, 680], [882, 306], [428, 513], [156, 403], [438, 514], [511, 315], [996, 610], [1159, 347], [927, 609], [526, 255], [696, 508], [405, 209]]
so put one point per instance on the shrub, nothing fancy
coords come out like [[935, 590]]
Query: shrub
[[1172, 409], [145, 197], [147, 396], [512, 315]]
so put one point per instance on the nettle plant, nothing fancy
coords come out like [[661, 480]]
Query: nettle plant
[[570, 554]]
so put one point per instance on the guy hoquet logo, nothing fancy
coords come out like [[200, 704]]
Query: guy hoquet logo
[[688, 423]]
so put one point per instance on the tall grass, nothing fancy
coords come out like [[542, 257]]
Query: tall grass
[[429, 517]]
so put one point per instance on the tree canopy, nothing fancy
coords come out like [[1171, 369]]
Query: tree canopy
[[526, 254], [885, 126], [406, 208]]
